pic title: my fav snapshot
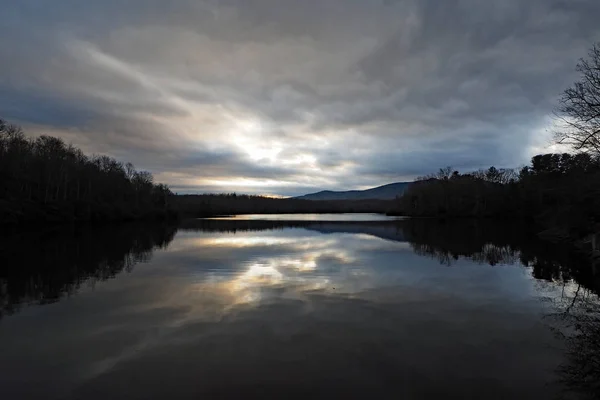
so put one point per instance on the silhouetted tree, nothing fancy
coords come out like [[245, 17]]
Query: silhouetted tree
[[559, 191], [579, 108], [46, 179]]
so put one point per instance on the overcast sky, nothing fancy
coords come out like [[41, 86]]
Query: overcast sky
[[292, 96]]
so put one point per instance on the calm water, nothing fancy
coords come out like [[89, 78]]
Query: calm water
[[345, 307], [365, 217]]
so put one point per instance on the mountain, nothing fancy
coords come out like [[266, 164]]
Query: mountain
[[385, 192]]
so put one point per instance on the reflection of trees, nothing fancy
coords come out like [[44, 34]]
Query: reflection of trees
[[235, 225], [482, 242], [495, 243], [386, 229], [578, 319], [577, 322], [43, 267], [488, 254]]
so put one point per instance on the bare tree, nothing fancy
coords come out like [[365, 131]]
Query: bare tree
[[579, 108], [445, 173], [62, 182]]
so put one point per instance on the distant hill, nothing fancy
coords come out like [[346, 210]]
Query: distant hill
[[385, 192]]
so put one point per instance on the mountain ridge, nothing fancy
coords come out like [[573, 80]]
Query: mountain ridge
[[384, 192]]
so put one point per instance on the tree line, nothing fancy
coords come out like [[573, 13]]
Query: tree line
[[44, 179], [207, 205], [559, 191]]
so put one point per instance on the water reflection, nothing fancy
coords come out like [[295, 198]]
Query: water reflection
[[576, 321], [339, 217], [483, 242], [42, 267], [390, 308]]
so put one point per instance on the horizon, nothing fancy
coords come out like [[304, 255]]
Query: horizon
[[288, 98], [277, 196]]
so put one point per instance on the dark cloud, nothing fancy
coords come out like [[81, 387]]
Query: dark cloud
[[284, 96], [41, 107]]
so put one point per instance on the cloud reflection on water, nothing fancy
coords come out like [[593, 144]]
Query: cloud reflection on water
[[315, 302]]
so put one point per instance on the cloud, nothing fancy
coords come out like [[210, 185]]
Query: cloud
[[285, 96]]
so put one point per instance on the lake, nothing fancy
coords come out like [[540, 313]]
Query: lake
[[289, 306]]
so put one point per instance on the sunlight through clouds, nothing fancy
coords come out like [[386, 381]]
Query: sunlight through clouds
[[243, 96]]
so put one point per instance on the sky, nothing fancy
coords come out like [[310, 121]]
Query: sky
[[286, 97]]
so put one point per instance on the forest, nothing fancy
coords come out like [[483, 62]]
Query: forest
[[208, 205], [45, 180], [559, 192]]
